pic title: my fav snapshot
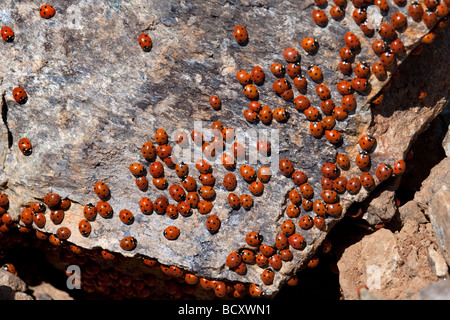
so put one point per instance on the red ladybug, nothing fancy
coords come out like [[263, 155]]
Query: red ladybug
[[301, 103], [205, 207], [360, 84], [291, 55], [345, 67], [234, 201], [323, 92], [316, 128], [382, 4], [319, 222], [215, 102], [26, 216], [126, 216], [233, 260], [362, 160], [378, 46], [277, 69], [379, 71], [250, 91], [312, 113], [319, 208], [246, 201], [207, 192], [104, 209], [240, 35], [309, 44], [267, 276], [351, 40], [306, 190], [399, 167], [398, 20], [160, 204], [47, 11], [177, 193], [320, 17], [327, 106], [353, 185], [128, 243], [148, 151], [90, 212], [315, 73], [85, 228], [286, 167], [145, 42], [295, 197], [57, 216], [336, 12], [344, 87], [20, 95], [172, 211], [248, 173], [329, 170], [343, 161], [257, 75], [386, 31], [383, 172], [333, 136], [264, 174], [431, 4], [429, 18], [296, 241], [136, 169], [213, 224], [362, 70], [329, 196], [288, 227], [293, 69], [7, 34], [346, 54], [243, 77], [367, 180], [25, 146], [292, 211], [359, 15], [306, 222], [415, 11], [63, 233], [52, 200], [102, 190], [171, 233], [366, 142], [300, 83], [387, 58], [142, 183]]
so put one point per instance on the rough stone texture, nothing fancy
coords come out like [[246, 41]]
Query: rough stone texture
[[95, 98], [11, 286], [46, 291], [436, 291]]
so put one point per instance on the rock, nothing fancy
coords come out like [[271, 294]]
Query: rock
[[10, 286], [436, 291], [46, 291], [95, 97], [439, 213], [411, 210]]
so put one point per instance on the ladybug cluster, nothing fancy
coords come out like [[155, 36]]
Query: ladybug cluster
[[307, 211]]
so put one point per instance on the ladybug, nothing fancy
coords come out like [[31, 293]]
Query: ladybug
[[398, 20], [329, 196], [240, 35], [104, 209], [171, 233], [288, 227], [295, 197], [429, 18], [233, 260], [85, 228], [54, 240], [309, 44], [192, 199], [267, 276], [327, 106], [197, 137], [261, 260], [172, 211], [275, 261], [34, 206], [334, 209], [351, 41], [346, 54], [256, 188], [216, 128], [107, 255], [383, 172], [359, 84], [353, 185], [25, 146], [280, 114], [213, 224], [343, 161], [184, 209], [101, 190], [299, 177], [215, 102], [316, 128], [157, 169], [382, 4], [189, 184], [4, 201], [306, 222], [177, 193], [431, 4], [367, 28], [164, 151], [280, 85], [190, 278], [378, 46], [328, 122], [442, 11], [181, 170], [160, 204], [344, 87], [300, 83], [264, 148], [315, 73], [345, 67], [264, 174], [293, 69], [137, 169], [229, 181], [205, 207], [292, 211], [250, 115], [387, 58], [340, 184], [386, 31], [234, 201], [39, 219], [126, 216], [359, 15], [145, 42], [243, 77], [228, 162], [296, 241], [128, 243], [142, 183], [336, 12], [286, 167], [379, 71], [26, 216], [207, 192], [362, 160], [291, 55], [254, 290], [7, 34], [326, 183], [429, 38], [47, 11], [312, 113], [63, 233], [277, 69], [399, 167], [301, 103], [248, 173], [148, 151], [319, 208], [52, 200], [246, 201], [306, 190], [367, 180], [362, 70], [57, 216], [333, 136], [251, 92], [20, 95], [320, 17], [366, 142], [257, 75], [329, 170], [323, 92]]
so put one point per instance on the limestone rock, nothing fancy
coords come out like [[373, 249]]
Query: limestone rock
[[95, 97], [11, 286]]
